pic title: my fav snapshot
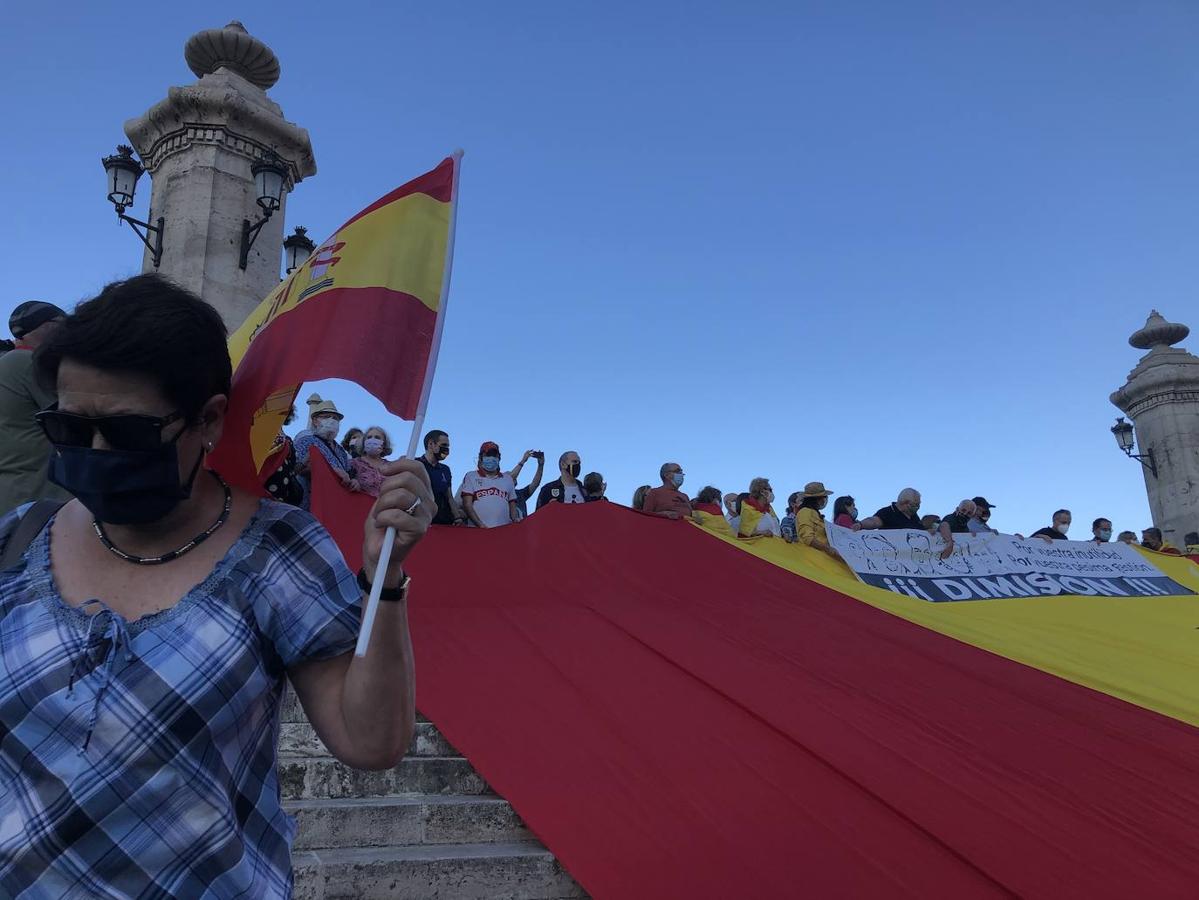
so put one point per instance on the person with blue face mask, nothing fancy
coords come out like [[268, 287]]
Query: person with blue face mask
[[1101, 530], [668, 501], [488, 494]]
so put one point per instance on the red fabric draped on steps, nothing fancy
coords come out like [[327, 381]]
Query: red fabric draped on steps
[[675, 718]]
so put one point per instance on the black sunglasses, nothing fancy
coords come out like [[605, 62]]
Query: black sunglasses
[[123, 432]]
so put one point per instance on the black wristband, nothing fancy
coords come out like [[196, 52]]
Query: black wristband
[[387, 595]]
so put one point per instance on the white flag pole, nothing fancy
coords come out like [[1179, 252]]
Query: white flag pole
[[418, 422]]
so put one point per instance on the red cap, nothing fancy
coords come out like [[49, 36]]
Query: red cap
[[489, 447]]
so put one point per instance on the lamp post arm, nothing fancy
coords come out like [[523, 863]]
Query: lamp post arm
[[155, 246]]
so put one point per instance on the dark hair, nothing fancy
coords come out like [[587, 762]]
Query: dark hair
[[433, 437], [345, 441], [1098, 521], [593, 482], [1058, 512], [1191, 539], [664, 470], [1155, 533], [1122, 534], [811, 502], [842, 505], [709, 495], [146, 325], [6, 345], [741, 499], [792, 501]]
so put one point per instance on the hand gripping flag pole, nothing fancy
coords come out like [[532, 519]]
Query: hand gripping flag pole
[[372, 602]]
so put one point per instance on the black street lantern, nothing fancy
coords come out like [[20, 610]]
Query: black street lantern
[[297, 248], [122, 172], [270, 175], [1126, 440]]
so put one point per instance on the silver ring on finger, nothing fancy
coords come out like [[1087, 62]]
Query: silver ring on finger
[[411, 510]]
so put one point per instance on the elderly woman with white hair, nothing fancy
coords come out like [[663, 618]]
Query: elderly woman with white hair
[[758, 518]]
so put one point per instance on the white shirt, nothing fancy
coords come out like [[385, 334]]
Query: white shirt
[[491, 494], [573, 493], [768, 524]]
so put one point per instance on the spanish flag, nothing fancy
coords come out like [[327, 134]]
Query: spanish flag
[[366, 306]]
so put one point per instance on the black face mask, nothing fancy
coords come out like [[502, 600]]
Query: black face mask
[[123, 487], [573, 469]]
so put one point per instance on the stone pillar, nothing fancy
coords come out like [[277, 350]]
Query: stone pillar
[[1161, 397], [198, 145]]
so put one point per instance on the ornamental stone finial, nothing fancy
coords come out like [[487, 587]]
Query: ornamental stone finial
[[235, 49], [1158, 333]]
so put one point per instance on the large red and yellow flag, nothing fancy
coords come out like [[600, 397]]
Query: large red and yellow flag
[[364, 307]]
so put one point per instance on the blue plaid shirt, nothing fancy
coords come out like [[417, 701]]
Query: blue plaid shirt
[[137, 759]]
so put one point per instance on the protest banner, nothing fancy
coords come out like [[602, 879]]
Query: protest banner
[[990, 566]]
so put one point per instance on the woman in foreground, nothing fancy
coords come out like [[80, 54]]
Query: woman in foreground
[[149, 627]]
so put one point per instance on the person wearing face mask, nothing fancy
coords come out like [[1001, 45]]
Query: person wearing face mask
[[567, 488], [1101, 531], [324, 422], [959, 520], [489, 494], [845, 513], [904, 513], [369, 467], [352, 443], [758, 518], [787, 523], [809, 520], [1056, 531], [437, 448], [162, 614], [667, 501], [1152, 539]]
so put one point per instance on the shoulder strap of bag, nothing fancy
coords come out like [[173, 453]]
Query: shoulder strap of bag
[[27, 530]]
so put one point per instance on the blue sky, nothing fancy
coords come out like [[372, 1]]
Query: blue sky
[[870, 243]]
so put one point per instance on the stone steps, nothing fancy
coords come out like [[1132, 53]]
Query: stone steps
[[322, 778], [498, 871], [298, 739], [406, 819], [429, 827]]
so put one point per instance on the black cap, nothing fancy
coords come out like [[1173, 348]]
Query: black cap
[[32, 314], [982, 501]]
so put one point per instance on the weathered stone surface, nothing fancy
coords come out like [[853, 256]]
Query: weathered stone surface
[[299, 739], [1161, 396], [324, 777], [408, 819], [453, 872], [198, 145]]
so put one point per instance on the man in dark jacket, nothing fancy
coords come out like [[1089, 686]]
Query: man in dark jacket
[[567, 488]]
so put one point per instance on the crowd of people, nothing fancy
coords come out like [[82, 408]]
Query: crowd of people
[[488, 496], [154, 619]]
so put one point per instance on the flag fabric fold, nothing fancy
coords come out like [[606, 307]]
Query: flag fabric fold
[[363, 307]]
